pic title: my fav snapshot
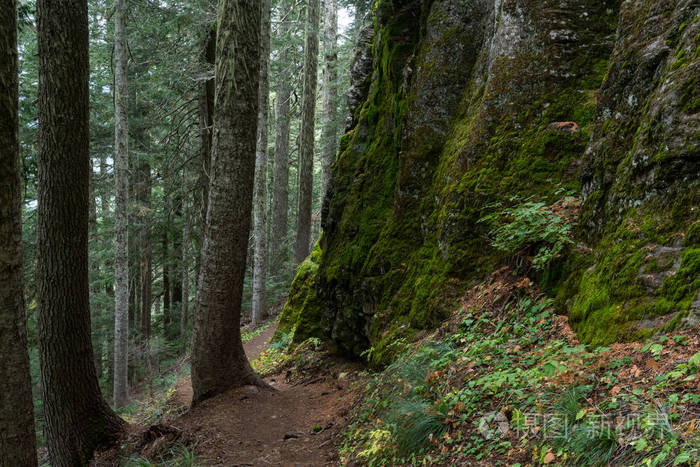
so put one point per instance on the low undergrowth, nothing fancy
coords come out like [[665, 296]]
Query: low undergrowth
[[506, 382], [175, 455]]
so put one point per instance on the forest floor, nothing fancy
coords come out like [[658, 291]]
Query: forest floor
[[295, 424], [503, 381]]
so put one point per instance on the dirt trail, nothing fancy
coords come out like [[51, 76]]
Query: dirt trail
[[253, 348], [292, 426]]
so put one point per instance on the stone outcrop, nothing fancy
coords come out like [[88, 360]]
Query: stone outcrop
[[473, 103]]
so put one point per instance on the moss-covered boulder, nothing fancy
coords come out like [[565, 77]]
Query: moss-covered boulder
[[474, 102]]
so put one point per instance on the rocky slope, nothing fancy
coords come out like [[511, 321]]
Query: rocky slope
[[470, 106]]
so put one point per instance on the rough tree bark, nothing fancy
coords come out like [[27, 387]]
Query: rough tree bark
[[121, 172], [78, 420], [18, 441], [308, 118], [260, 197], [218, 358], [330, 93], [280, 197]]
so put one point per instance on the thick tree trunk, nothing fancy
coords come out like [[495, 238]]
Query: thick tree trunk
[[260, 199], [330, 93], [121, 172], [18, 440], [280, 198], [308, 118], [218, 358], [78, 420]]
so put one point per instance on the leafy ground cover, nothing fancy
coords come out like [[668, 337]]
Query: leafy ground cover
[[506, 382]]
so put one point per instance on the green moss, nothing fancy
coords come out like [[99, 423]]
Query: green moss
[[404, 240], [611, 297], [301, 315]]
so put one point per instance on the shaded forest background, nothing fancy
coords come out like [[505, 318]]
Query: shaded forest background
[[169, 67]]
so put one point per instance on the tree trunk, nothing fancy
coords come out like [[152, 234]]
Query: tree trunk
[[308, 117], [280, 198], [121, 172], [96, 325], [260, 200], [166, 281], [145, 243], [18, 440], [218, 358], [330, 93], [78, 420], [176, 274], [184, 318], [206, 121]]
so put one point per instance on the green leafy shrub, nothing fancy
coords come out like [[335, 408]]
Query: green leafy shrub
[[533, 228]]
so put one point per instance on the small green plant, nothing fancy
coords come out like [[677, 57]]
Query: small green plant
[[281, 341], [593, 443], [532, 227], [415, 424], [246, 336]]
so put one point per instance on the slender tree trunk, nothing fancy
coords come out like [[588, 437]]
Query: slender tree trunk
[[145, 272], [107, 344], [206, 121], [218, 358], [280, 198], [308, 118], [146, 261], [78, 420], [166, 282], [176, 273], [18, 440], [330, 93], [121, 171], [96, 325], [185, 255], [260, 199]]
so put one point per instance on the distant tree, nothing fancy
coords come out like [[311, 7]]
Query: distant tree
[[218, 358], [330, 92], [77, 418], [280, 195], [308, 120], [206, 118], [260, 196], [18, 440], [121, 164], [184, 317]]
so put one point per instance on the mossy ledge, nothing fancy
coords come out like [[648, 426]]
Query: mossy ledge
[[458, 116]]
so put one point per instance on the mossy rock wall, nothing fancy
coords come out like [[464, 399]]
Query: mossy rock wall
[[641, 179], [457, 116]]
